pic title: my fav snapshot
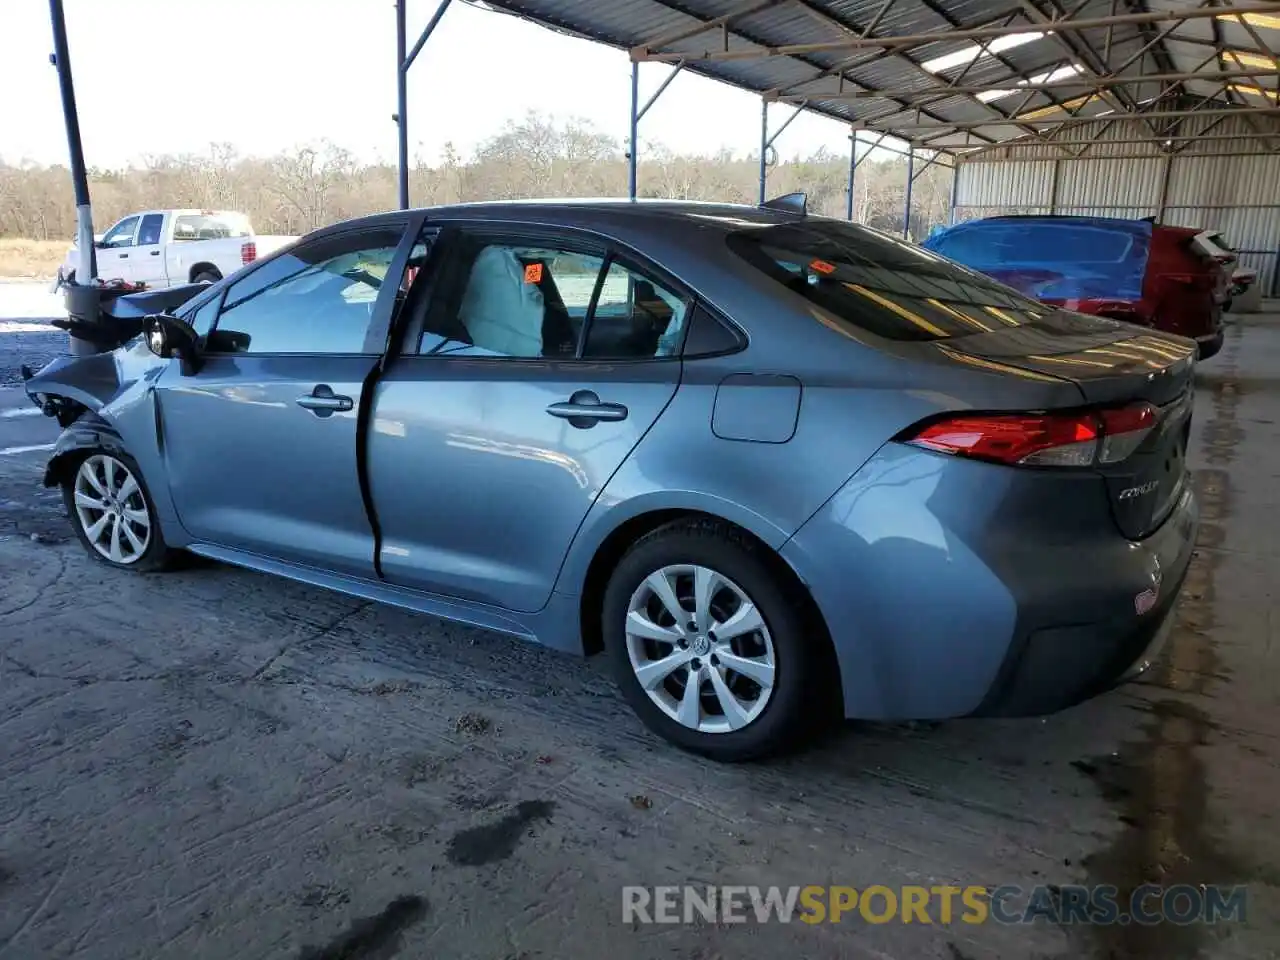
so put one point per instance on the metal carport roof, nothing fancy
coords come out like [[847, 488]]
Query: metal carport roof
[[957, 75]]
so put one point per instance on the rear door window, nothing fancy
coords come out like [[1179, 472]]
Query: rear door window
[[546, 299], [868, 280]]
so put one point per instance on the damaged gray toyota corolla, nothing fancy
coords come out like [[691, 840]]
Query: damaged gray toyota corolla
[[770, 464]]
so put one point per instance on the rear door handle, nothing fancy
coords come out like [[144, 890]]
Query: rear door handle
[[124, 256], [323, 402], [585, 409], [155, 253]]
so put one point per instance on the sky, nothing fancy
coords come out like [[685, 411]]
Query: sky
[[173, 76]]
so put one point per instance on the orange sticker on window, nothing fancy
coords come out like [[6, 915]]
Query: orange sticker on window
[[533, 273], [821, 266]]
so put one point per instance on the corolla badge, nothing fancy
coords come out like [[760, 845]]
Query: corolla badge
[[1139, 491]]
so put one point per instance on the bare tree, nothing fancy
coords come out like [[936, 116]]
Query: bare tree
[[538, 156]]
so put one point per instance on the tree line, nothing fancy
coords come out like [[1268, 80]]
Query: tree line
[[299, 190]]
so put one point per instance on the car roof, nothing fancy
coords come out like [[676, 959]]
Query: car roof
[[594, 213], [1064, 219]]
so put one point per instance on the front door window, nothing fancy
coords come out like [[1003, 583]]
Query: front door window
[[319, 298]]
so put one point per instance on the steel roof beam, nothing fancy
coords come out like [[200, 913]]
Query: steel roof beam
[[687, 33], [977, 33], [963, 125], [637, 56], [1024, 145], [1085, 83], [902, 57], [1076, 45]]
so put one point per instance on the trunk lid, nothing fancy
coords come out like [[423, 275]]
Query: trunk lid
[[1114, 364]]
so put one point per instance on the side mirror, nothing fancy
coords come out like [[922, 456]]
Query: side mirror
[[169, 337]]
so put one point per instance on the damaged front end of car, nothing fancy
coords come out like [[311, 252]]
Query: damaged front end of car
[[100, 320]]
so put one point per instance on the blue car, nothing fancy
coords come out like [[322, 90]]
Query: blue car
[[775, 467]]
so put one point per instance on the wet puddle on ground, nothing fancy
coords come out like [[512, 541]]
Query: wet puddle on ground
[[1156, 783]]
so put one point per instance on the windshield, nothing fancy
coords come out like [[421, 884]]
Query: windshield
[[211, 226], [885, 286]]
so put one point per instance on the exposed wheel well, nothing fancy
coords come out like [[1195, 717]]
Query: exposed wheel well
[[200, 268], [617, 543]]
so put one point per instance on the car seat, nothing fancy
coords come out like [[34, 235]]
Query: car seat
[[500, 311], [558, 336], [650, 318]]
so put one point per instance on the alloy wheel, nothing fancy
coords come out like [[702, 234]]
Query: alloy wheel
[[700, 648], [111, 509]]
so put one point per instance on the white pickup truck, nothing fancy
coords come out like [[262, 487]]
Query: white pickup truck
[[167, 248]]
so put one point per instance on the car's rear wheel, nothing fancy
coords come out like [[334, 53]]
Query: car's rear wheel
[[706, 643], [113, 513], [206, 276]]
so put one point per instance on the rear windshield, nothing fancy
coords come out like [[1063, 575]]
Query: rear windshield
[[882, 285], [1039, 243], [1059, 260], [210, 226]]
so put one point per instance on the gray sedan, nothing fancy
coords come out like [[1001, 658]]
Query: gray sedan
[[776, 467]]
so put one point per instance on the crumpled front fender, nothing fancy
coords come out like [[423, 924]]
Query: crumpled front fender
[[89, 433]]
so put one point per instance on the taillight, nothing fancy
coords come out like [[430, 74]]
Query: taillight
[[1123, 430], [248, 252], [1080, 439]]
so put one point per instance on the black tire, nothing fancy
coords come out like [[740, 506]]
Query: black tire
[[206, 276], [157, 555], [789, 716]]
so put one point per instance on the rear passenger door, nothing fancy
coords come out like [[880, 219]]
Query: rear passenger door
[[534, 368]]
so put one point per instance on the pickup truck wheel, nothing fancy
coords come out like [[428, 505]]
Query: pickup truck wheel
[[113, 513], [206, 276]]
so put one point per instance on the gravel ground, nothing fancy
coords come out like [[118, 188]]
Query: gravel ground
[[217, 764]]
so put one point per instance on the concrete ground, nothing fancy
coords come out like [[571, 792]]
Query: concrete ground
[[217, 764]]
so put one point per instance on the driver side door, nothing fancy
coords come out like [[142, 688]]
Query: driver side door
[[115, 250], [261, 442]]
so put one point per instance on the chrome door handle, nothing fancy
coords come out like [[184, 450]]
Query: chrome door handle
[[324, 402], [584, 409]]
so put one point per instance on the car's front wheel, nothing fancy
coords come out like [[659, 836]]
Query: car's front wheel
[[113, 513], [706, 643]]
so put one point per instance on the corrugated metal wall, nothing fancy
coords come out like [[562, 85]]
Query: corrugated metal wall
[[1222, 184]]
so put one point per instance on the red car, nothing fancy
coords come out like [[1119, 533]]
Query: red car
[[1175, 279]]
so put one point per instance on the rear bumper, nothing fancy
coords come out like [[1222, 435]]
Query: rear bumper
[[1059, 667], [954, 588]]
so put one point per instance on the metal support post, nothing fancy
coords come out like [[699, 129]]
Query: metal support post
[[764, 146], [637, 114], [87, 266], [402, 109], [955, 184], [766, 141], [633, 158], [403, 62], [906, 218], [853, 168]]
